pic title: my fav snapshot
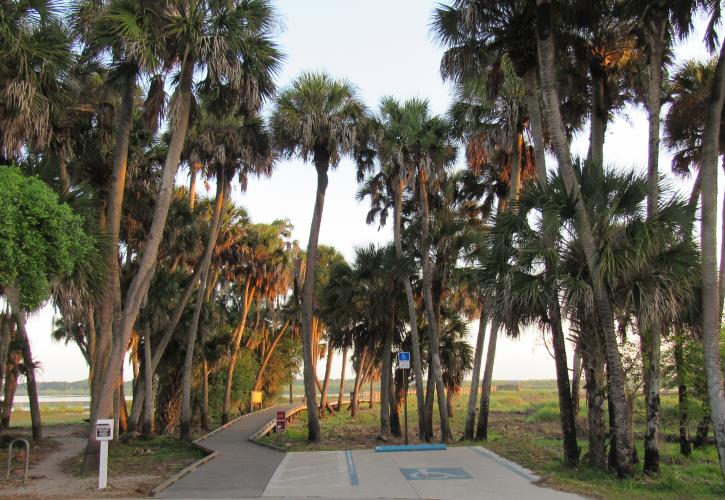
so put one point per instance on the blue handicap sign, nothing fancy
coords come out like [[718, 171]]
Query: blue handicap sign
[[403, 356], [435, 473]]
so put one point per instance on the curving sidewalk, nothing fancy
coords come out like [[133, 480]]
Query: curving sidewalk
[[241, 469]]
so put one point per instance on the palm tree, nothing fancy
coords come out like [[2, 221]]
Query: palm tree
[[319, 119], [393, 138], [711, 303], [36, 59], [231, 35], [547, 67]]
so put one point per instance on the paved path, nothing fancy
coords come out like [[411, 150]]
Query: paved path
[[246, 470], [241, 470]]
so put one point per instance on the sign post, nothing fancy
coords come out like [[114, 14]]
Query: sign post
[[404, 364], [104, 434]]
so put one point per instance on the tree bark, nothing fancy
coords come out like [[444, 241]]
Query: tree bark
[[205, 395], [682, 403], [326, 380], [594, 385], [147, 429], [412, 315], [576, 378], [547, 66], [112, 218], [355, 403], [141, 280], [193, 173], [341, 394], [429, 399], [322, 163], [468, 432], [650, 348], [393, 403], [711, 318], [11, 386], [221, 190], [429, 306], [13, 298], [482, 427], [385, 382]]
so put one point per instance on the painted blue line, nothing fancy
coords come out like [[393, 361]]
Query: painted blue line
[[351, 469], [412, 447], [515, 468]]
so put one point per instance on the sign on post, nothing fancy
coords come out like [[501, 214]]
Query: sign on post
[[403, 361], [404, 364], [104, 434], [281, 421]]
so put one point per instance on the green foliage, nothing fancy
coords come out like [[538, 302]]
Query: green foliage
[[243, 382], [40, 239]]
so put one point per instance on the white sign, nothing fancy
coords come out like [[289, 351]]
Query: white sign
[[403, 361], [104, 429], [104, 434]]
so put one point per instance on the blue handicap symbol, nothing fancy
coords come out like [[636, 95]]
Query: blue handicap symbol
[[404, 356], [435, 473]]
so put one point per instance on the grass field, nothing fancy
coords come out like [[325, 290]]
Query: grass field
[[524, 427]]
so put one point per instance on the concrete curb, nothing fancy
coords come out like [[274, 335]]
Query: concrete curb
[[211, 454]]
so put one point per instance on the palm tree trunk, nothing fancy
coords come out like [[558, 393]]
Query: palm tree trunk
[[249, 292], [566, 405], [5, 338], [482, 427], [429, 400], [468, 432], [11, 386], [341, 394], [598, 124], [652, 336], [429, 307], [148, 410], [22, 336], [140, 283], [371, 399], [412, 315], [385, 382], [193, 173], [321, 160], [112, 218], [711, 318], [547, 66], [221, 190], [393, 402], [326, 380], [359, 373], [576, 378], [205, 395], [682, 402]]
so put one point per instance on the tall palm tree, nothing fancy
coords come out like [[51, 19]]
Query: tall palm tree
[[392, 139], [316, 118], [220, 41], [711, 305], [547, 68]]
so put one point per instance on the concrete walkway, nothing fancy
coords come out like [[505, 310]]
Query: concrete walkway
[[246, 470], [241, 470]]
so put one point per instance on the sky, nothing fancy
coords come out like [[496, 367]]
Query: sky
[[384, 48]]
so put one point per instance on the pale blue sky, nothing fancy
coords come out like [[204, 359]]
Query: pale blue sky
[[384, 48]]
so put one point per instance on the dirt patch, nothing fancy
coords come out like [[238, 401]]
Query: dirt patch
[[134, 469]]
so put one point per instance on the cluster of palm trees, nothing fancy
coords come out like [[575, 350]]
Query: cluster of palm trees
[[202, 297]]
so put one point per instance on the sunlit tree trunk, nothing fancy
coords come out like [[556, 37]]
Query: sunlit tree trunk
[[482, 426], [326, 380], [146, 263], [341, 394], [148, 411], [468, 432]]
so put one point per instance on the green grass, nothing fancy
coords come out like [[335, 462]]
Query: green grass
[[52, 414], [524, 427]]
